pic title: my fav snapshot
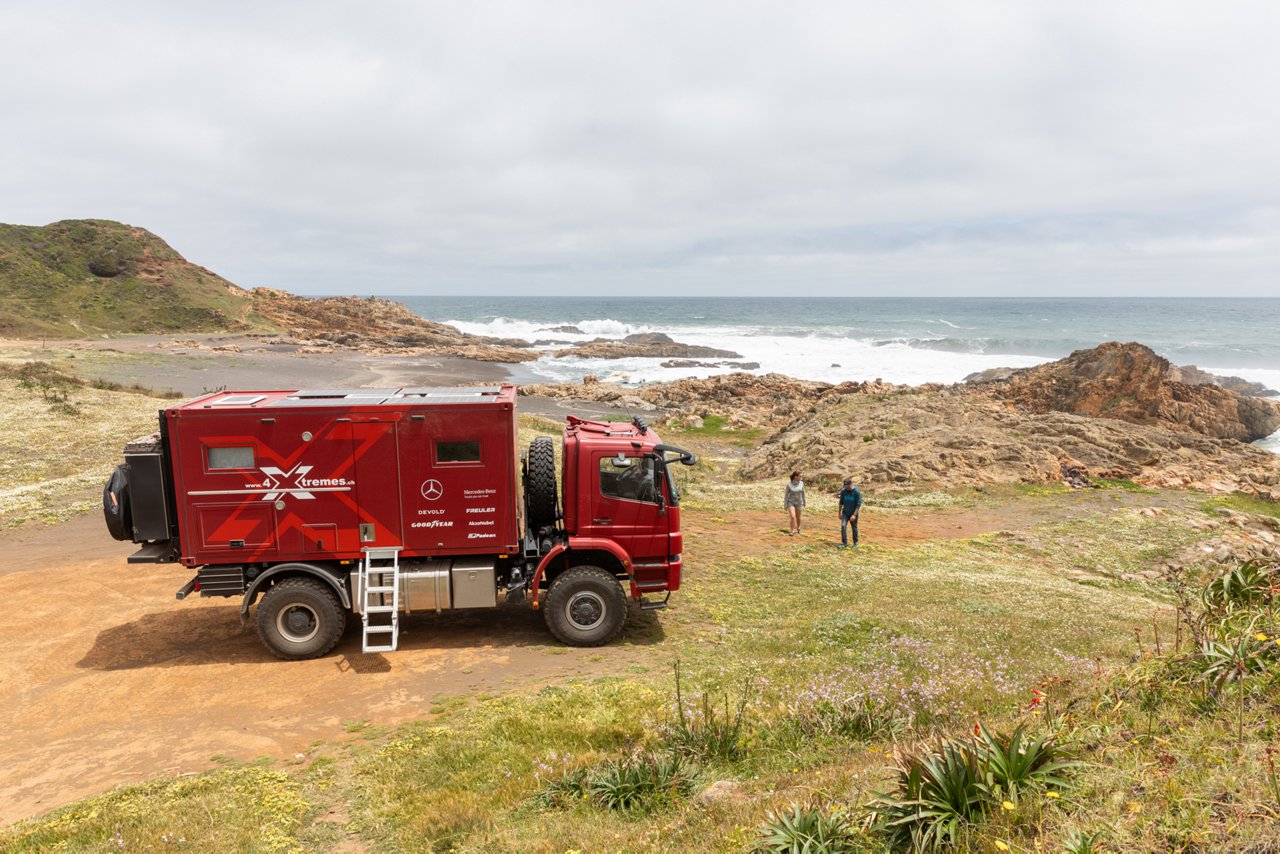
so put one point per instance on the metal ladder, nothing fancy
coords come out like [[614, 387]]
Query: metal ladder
[[380, 579]]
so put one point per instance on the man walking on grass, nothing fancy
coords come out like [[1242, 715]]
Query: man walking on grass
[[850, 507]]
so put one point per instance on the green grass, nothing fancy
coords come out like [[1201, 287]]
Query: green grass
[[804, 668], [716, 427], [1244, 504], [82, 277]]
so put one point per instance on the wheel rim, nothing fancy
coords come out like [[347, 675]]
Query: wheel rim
[[585, 610], [298, 623]]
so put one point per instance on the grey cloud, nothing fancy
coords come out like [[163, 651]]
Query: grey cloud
[[717, 148]]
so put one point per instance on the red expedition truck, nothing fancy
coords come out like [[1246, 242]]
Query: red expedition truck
[[378, 502]]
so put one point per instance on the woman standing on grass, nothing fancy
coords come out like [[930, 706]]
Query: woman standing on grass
[[793, 500]]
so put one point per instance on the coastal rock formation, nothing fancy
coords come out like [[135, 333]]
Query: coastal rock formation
[[372, 324], [1192, 375], [1111, 412], [744, 400], [1131, 383], [644, 344], [952, 437]]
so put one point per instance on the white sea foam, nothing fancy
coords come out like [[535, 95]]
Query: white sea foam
[[829, 356], [827, 353]]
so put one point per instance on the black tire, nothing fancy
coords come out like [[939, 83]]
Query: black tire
[[115, 505], [300, 618], [586, 606], [540, 482]]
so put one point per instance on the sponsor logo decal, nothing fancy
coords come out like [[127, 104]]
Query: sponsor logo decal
[[434, 523], [432, 490], [480, 509], [474, 536]]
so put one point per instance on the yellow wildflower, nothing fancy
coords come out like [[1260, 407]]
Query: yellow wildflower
[[1261, 636], [1052, 795], [1002, 845], [1008, 805]]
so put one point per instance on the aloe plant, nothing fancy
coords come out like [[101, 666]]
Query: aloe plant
[[1012, 762]]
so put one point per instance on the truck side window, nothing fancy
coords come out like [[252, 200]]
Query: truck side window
[[630, 479], [457, 452], [237, 457]]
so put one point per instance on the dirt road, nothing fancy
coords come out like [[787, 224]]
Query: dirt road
[[107, 679]]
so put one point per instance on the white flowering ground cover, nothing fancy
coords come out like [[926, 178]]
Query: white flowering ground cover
[[56, 452]]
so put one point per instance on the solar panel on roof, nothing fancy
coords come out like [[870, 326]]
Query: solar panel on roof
[[238, 400], [449, 391], [327, 401], [340, 393]]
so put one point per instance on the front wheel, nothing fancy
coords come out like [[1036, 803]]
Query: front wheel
[[586, 606], [300, 618]]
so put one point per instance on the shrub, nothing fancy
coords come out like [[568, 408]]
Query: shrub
[[638, 783], [1250, 583], [708, 734], [938, 793], [942, 790], [1011, 763], [807, 829]]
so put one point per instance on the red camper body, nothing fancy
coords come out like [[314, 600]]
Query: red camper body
[[271, 476], [319, 503]]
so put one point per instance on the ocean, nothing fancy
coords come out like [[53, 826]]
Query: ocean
[[899, 340]]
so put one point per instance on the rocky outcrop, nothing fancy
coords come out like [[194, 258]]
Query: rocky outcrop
[[1191, 375], [952, 437], [1107, 413], [647, 345], [371, 324], [1131, 383]]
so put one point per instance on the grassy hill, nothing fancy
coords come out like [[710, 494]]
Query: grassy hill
[[86, 277]]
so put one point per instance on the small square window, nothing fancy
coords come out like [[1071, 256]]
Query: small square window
[[457, 452], [239, 457]]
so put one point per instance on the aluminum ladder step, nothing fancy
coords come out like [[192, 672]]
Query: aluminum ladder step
[[378, 579]]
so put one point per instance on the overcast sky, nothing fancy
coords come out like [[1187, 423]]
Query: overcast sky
[[966, 148]]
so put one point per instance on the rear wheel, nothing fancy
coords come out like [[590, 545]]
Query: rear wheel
[[586, 606], [300, 618], [540, 482]]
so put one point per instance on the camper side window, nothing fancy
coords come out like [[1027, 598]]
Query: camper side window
[[238, 457], [457, 452]]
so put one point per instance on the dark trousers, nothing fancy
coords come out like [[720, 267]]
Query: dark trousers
[[852, 522]]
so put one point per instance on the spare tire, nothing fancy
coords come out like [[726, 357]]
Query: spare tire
[[115, 504], [540, 482]]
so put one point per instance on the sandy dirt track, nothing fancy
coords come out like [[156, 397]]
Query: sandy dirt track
[[107, 679]]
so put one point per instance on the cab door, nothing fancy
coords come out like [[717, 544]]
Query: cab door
[[626, 505]]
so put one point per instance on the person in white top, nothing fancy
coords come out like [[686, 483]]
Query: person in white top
[[793, 500]]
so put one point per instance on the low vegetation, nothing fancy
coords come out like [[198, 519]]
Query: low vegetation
[[1026, 689], [76, 278], [60, 437]]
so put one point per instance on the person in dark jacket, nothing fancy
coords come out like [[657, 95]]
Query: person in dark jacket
[[850, 499]]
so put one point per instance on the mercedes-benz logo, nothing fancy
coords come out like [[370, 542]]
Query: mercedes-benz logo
[[432, 489]]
